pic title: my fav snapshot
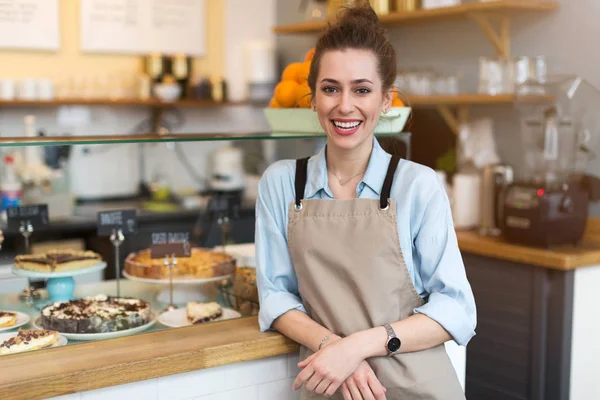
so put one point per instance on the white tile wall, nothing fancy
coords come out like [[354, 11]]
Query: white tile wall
[[143, 390], [192, 384], [76, 396], [278, 390], [247, 393], [252, 373], [293, 360]]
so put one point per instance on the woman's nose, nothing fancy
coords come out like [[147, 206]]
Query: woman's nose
[[346, 103]]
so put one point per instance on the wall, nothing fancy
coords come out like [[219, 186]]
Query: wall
[[565, 36]]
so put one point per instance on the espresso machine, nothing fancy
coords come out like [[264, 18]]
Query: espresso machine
[[548, 205]]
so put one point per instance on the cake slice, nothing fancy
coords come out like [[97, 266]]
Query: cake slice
[[57, 260], [199, 313], [27, 340], [7, 319]]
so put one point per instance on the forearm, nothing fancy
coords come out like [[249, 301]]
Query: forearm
[[302, 329], [417, 332]]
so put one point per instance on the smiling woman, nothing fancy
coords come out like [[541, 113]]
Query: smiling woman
[[357, 258]]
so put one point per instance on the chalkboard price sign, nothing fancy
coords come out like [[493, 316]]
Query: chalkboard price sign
[[126, 220], [170, 243], [35, 214]]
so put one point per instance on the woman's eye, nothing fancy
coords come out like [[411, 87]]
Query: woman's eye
[[329, 89], [362, 91]]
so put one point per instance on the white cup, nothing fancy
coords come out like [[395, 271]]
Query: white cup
[[7, 89], [45, 89], [27, 89]]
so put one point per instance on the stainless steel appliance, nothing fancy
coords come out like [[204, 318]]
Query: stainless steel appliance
[[549, 204], [494, 181]]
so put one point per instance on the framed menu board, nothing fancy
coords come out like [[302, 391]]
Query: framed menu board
[[143, 26], [29, 24]]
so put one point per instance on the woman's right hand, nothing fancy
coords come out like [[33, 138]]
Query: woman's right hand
[[363, 385]]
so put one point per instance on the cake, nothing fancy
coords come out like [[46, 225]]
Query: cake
[[245, 291], [7, 319], [99, 314], [199, 313], [27, 340], [57, 260], [202, 263]]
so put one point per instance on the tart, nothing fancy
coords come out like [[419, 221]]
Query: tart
[[58, 260], [202, 263], [199, 313], [27, 340], [99, 314], [7, 319]]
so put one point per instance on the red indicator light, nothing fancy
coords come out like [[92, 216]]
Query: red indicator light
[[540, 192]]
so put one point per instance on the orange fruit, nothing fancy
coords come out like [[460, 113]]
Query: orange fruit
[[274, 104], [285, 93], [397, 103], [309, 55], [303, 96], [291, 72], [303, 72]]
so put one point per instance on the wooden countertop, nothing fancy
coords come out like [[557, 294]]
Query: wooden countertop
[[93, 365], [562, 258]]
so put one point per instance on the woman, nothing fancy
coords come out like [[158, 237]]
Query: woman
[[357, 256]]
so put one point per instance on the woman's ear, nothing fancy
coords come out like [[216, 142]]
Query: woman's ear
[[388, 96]]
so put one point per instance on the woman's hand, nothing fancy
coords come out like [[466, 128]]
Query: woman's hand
[[363, 385], [326, 370]]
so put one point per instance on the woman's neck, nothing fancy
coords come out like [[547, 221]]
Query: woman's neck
[[346, 163]]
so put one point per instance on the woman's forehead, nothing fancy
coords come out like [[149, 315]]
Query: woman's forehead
[[348, 65]]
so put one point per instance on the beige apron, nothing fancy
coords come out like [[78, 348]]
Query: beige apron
[[352, 276]]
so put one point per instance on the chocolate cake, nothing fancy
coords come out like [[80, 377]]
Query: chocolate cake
[[58, 261], [99, 314]]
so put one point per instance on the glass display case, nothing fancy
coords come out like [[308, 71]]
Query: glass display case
[[112, 236]]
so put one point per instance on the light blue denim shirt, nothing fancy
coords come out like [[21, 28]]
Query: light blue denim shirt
[[425, 230]]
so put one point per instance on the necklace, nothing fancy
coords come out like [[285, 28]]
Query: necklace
[[343, 181]]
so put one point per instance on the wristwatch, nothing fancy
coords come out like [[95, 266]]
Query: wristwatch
[[393, 343]]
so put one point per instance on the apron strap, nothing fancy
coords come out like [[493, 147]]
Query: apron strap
[[387, 183], [301, 173]]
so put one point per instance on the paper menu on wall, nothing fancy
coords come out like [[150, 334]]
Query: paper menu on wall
[[29, 24], [143, 26]]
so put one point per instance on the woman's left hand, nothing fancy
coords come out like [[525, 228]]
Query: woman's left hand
[[324, 371]]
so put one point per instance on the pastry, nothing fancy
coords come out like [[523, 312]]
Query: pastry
[[199, 313], [27, 340], [7, 319], [202, 263], [99, 314], [58, 260]]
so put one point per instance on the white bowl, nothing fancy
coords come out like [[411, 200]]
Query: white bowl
[[167, 92]]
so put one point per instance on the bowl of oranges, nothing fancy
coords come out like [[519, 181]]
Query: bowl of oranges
[[289, 110]]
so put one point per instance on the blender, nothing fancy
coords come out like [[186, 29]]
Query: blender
[[549, 205]]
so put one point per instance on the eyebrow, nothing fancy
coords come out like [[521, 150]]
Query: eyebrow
[[354, 81]]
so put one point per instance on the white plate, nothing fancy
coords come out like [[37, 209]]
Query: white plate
[[60, 342], [178, 318], [101, 336], [186, 281], [22, 319], [35, 274]]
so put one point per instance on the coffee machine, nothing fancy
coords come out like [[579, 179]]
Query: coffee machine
[[548, 205]]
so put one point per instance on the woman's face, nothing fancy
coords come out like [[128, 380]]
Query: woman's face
[[349, 97]]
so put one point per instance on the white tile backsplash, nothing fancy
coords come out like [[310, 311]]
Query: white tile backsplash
[[247, 393], [278, 390], [192, 384], [144, 390], [255, 372], [74, 396], [293, 360]]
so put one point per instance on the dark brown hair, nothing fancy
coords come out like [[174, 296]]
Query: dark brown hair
[[357, 28]]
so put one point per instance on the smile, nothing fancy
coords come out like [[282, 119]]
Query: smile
[[346, 126]]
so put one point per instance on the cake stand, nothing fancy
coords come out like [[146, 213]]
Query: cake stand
[[60, 285], [184, 290]]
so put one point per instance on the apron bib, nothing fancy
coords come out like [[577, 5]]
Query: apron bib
[[352, 276]]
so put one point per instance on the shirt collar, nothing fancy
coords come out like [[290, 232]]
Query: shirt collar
[[374, 175]]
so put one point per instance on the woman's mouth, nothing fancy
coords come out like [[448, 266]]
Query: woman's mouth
[[346, 127]]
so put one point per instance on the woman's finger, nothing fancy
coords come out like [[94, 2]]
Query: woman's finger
[[302, 377], [354, 390], [376, 387], [313, 382], [306, 361], [321, 388], [345, 392], [364, 388]]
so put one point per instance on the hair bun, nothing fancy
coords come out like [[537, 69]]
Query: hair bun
[[358, 15]]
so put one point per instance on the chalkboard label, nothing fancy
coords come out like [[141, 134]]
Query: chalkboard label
[[125, 220], [170, 243], [35, 214]]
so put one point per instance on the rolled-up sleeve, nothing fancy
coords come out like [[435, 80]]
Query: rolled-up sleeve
[[276, 279], [450, 299]]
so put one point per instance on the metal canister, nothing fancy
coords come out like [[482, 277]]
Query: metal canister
[[407, 5]]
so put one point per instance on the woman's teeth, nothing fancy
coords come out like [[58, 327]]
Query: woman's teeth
[[347, 125]]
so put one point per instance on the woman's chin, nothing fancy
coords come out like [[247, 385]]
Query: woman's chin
[[345, 142]]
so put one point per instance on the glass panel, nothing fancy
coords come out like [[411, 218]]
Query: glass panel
[[154, 138]]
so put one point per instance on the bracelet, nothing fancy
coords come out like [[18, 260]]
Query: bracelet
[[323, 341]]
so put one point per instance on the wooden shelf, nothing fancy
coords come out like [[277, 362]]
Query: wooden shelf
[[463, 10], [154, 103], [466, 99]]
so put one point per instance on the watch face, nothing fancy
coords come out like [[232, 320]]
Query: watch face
[[393, 345]]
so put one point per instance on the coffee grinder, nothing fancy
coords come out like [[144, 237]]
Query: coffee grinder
[[549, 204]]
